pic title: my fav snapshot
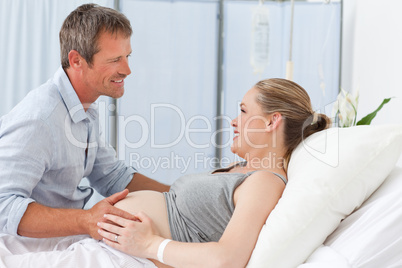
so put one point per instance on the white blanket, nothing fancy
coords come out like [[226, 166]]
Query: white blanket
[[75, 251]]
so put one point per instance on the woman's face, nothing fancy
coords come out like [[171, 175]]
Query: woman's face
[[250, 126]]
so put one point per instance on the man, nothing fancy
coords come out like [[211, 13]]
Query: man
[[51, 139]]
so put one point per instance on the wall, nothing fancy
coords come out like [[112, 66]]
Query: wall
[[372, 54]]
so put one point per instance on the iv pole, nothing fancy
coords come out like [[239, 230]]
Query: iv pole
[[114, 137], [289, 63]]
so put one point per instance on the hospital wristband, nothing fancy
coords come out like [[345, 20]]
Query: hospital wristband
[[161, 249]]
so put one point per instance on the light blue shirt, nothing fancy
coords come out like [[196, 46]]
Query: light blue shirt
[[43, 157]]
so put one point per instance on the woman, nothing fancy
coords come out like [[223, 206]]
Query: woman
[[225, 208]]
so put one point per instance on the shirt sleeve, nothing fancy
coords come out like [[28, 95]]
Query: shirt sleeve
[[109, 175], [25, 154]]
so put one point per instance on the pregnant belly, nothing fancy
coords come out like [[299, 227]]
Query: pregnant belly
[[151, 203]]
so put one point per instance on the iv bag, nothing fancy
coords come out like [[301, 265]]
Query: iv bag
[[260, 39]]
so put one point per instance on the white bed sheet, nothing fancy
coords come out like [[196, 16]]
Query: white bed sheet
[[74, 252], [325, 257]]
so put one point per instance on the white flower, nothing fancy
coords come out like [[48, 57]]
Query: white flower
[[346, 108]]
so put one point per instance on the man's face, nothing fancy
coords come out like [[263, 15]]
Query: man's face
[[109, 67]]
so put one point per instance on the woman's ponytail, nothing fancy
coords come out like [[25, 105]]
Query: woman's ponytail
[[315, 123]]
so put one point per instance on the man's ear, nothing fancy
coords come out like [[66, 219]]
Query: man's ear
[[75, 59], [273, 122]]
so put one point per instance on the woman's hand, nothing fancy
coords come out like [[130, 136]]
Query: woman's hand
[[105, 206], [137, 238]]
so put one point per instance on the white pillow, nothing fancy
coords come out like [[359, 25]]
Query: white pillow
[[330, 174]]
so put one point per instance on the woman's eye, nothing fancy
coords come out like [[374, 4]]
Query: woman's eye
[[242, 110]]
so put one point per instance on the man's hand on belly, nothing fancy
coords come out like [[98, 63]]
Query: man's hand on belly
[[105, 206]]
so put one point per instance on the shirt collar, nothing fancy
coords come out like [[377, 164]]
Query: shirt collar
[[71, 100]]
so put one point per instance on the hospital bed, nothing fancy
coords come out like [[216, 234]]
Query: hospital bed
[[342, 208]]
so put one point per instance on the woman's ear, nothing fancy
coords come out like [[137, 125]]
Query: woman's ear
[[273, 122]]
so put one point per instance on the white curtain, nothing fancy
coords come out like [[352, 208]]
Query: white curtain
[[172, 88], [174, 69]]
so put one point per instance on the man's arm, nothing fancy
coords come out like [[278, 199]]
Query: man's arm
[[141, 182], [41, 221]]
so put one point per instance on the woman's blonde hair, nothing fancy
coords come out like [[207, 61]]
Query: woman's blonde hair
[[293, 103]]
